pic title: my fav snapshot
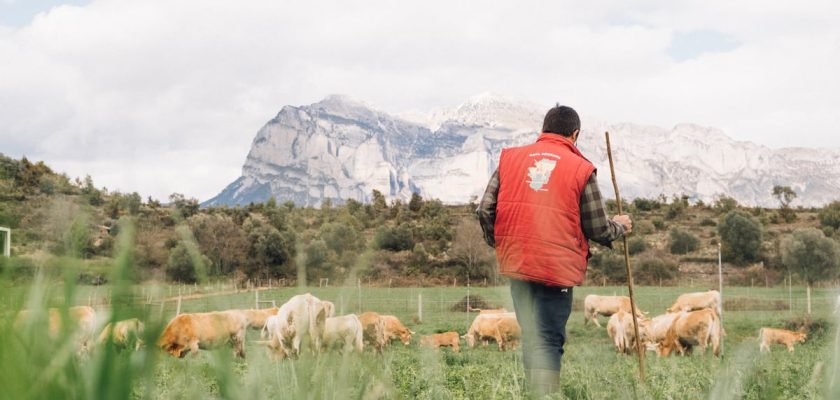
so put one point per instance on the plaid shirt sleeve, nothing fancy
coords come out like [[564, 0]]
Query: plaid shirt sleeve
[[487, 209], [593, 216]]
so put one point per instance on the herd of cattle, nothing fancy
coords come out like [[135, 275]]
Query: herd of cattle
[[693, 320]]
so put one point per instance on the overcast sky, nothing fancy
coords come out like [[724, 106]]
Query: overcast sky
[[162, 96]]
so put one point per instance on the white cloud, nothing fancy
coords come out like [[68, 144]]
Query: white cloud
[[160, 96]]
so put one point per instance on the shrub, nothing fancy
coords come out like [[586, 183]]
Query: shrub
[[611, 265], [683, 242], [646, 204], [180, 266], [394, 239], [659, 224], [636, 245], [651, 270], [708, 222], [811, 255], [830, 215], [643, 227], [740, 235]]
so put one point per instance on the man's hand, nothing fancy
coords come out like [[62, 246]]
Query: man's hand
[[625, 221]]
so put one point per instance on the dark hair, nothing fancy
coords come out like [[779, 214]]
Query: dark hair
[[561, 120]]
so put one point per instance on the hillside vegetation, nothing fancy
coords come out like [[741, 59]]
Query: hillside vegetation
[[423, 242]]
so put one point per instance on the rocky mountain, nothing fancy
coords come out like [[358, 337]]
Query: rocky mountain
[[340, 149]]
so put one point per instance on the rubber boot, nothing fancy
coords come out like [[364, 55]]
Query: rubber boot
[[542, 382]]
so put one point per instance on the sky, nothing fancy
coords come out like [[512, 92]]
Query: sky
[[166, 96]]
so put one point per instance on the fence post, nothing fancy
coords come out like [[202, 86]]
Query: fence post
[[359, 284], [420, 307], [790, 293], [808, 296], [257, 299], [178, 308]]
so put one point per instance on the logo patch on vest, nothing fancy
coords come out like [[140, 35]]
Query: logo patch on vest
[[540, 173]]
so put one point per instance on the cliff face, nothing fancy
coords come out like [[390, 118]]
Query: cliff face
[[342, 149]]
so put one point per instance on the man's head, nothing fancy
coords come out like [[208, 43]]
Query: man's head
[[563, 121]]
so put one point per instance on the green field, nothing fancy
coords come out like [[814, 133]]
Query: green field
[[35, 367]]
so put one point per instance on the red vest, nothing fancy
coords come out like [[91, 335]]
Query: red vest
[[537, 230]]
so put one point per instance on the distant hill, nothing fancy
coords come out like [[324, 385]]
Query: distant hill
[[341, 149]]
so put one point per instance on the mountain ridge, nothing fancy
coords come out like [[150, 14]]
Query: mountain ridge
[[341, 148]]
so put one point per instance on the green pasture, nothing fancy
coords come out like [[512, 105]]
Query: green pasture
[[35, 366]]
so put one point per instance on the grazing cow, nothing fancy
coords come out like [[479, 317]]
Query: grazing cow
[[189, 332], [653, 331], [697, 301], [701, 328], [615, 328], [373, 327], [438, 340], [344, 331], [768, 336], [507, 333], [257, 317], [329, 307], [483, 328], [594, 305], [394, 329], [302, 316], [123, 333], [82, 324]]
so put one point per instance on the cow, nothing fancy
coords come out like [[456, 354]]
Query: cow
[[257, 317], [653, 330], [190, 332], [394, 329], [701, 328], [345, 331], [507, 333], [123, 333], [594, 305], [329, 307], [768, 336], [82, 324], [615, 328], [697, 301], [438, 340], [483, 328], [373, 327], [302, 316]]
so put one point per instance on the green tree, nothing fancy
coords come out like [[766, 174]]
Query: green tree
[[180, 266], [740, 236], [380, 205], [183, 207], [811, 255], [830, 215], [394, 239], [682, 242], [636, 245], [785, 195], [725, 204], [416, 202]]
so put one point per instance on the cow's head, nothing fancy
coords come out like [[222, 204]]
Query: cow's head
[[470, 338], [801, 336], [405, 336]]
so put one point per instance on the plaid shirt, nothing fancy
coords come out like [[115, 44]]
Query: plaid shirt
[[593, 216]]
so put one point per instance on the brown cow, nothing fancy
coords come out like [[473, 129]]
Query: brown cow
[[701, 328], [82, 324], [190, 332], [483, 328], [438, 340], [394, 329], [594, 305], [768, 336], [373, 329], [256, 317], [697, 301], [507, 333], [123, 333]]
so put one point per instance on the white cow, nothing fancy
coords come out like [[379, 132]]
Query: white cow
[[594, 305], [303, 316], [697, 301], [345, 331]]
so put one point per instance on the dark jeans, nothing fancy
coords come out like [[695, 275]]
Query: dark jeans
[[542, 312]]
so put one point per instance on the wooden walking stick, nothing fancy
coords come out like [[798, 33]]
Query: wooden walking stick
[[639, 346]]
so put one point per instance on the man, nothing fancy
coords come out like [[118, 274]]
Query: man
[[539, 210]]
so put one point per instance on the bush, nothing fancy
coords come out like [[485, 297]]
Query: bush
[[646, 204], [180, 266], [651, 270], [611, 265], [683, 242], [830, 215], [643, 227], [659, 224], [708, 222], [811, 255], [394, 239], [636, 245], [740, 236]]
